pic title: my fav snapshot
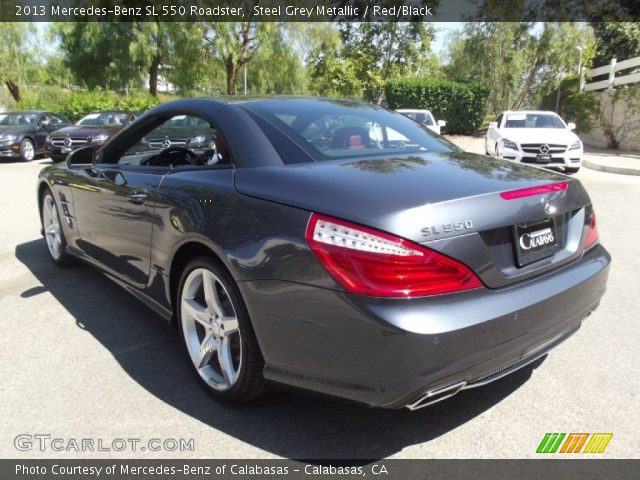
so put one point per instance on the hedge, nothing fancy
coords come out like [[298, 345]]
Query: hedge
[[582, 108], [462, 105], [76, 104]]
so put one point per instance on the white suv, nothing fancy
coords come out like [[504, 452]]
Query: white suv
[[536, 137]]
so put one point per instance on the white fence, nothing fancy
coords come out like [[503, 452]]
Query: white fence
[[611, 70]]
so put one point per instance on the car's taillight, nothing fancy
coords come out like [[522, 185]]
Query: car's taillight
[[592, 233], [369, 262], [530, 191]]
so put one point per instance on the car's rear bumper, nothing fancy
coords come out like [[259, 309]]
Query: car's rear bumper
[[389, 353]]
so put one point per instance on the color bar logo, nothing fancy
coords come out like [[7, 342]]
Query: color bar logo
[[574, 443]]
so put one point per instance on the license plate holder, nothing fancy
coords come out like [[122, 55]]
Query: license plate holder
[[66, 149], [535, 240], [543, 158]]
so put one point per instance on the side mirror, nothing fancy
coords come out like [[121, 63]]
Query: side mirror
[[441, 123], [571, 126], [493, 124], [83, 157], [44, 123]]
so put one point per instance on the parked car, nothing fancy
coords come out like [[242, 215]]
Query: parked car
[[425, 118], [93, 129], [181, 131], [536, 137], [296, 250], [23, 133]]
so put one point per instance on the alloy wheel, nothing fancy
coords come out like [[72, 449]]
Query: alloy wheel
[[211, 329], [51, 225], [27, 150]]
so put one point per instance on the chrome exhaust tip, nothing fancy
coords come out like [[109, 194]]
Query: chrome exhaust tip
[[435, 396]]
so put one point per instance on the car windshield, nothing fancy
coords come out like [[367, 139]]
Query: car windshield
[[533, 120], [103, 119], [342, 129], [421, 117], [17, 119]]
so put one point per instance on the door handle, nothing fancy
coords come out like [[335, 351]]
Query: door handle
[[138, 197]]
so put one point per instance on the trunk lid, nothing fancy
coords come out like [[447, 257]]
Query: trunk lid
[[450, 202]]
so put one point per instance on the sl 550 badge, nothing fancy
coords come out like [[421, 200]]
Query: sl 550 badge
[[447, 228]]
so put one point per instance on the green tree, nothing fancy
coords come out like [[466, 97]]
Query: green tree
[[517, 58], [150, 47], [331, 74], [14, 54], [378, 51], [98, 53], [233, 44], [619, 40]]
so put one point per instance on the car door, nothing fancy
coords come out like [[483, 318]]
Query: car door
[[116, 203], [115, 213]]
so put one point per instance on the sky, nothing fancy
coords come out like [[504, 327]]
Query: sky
[[444, 30]]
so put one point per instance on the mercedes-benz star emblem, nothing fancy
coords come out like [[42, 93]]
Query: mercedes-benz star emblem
[[166, 143], [67, 142], [544, 148]]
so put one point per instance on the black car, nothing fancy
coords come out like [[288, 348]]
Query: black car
[[23, 133], [330, 245], [94, 129]]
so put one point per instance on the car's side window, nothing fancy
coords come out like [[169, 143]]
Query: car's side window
[[181, 141], [55, 120]]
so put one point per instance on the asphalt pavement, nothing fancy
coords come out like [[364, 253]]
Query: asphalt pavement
[[81, 359]]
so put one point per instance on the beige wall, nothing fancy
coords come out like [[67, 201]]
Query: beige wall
[[627, 122]]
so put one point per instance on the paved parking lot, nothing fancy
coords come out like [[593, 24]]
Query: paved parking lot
[[82, 359]]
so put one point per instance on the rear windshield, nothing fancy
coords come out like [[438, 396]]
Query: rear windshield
[[339, 129]]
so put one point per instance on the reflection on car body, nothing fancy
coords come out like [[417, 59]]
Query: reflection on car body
[[290, 247]]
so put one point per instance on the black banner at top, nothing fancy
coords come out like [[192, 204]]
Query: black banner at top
[[319, 10]]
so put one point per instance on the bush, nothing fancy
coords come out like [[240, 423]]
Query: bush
[[137, 102], [462, 105], [76, 104], [581, 108], [43, 98]]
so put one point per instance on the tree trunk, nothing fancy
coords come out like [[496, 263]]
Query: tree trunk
[[525, 88], [14, 89], [232, 71], [153, 75]]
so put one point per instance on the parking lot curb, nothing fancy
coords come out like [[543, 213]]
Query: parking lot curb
[[602, 167]]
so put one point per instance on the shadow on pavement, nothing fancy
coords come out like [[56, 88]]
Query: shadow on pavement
[[288, 425]]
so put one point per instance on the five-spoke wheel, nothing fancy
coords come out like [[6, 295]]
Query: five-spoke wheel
[[27, 150], [217, 333], [52, 229]]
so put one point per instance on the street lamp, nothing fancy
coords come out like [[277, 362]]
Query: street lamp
[[581, 49]]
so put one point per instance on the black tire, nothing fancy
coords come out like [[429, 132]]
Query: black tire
[[250, 383], [27, 149], [571, 170], [63, 259]]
